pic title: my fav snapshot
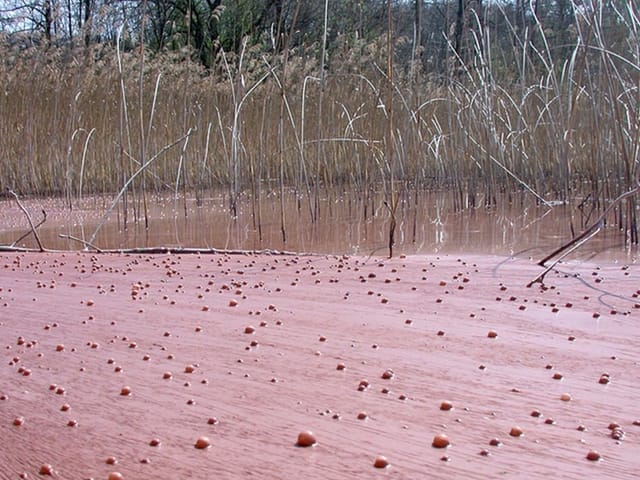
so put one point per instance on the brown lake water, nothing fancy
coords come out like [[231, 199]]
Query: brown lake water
[[425, 225]]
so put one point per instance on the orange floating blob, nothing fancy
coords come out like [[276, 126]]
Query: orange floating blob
[[46, 469], [440, 441], [381, 462], [189, 369], [516, 432], [306, 439], [492, 334], [593, 456], [565, 397], [115, 476], [126, 390], [446, 405], [202, 443], [18, 421]]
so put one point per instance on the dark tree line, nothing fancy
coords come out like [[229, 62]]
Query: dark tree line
[[435, 34]]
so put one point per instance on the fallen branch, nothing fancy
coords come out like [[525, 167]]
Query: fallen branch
[[33, 228], [166, 250], [576, 242]]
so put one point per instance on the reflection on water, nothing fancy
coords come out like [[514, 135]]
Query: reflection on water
[[426, 224]]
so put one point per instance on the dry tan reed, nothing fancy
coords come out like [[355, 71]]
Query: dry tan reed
[[558, 131]]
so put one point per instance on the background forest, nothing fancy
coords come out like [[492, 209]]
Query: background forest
[[486, 101]]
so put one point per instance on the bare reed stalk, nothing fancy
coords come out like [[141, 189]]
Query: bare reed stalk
[[143, 141], [84, 156], [392, 202], [124, 128], [319, 151]]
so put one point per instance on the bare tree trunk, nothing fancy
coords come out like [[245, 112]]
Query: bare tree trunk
[[48, 21], [87, 22], [392, 203], [70, 21], [418, 44], [459, 27]]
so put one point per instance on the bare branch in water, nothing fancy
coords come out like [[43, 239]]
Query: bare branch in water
[[585, 236], [44, 219], [26, 213]]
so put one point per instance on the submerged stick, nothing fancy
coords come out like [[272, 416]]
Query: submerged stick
[[26, 213], [84, 242]]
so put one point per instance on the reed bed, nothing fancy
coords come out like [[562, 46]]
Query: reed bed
[[522, 123]]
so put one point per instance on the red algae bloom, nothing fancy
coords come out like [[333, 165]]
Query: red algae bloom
[[306, 439]]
